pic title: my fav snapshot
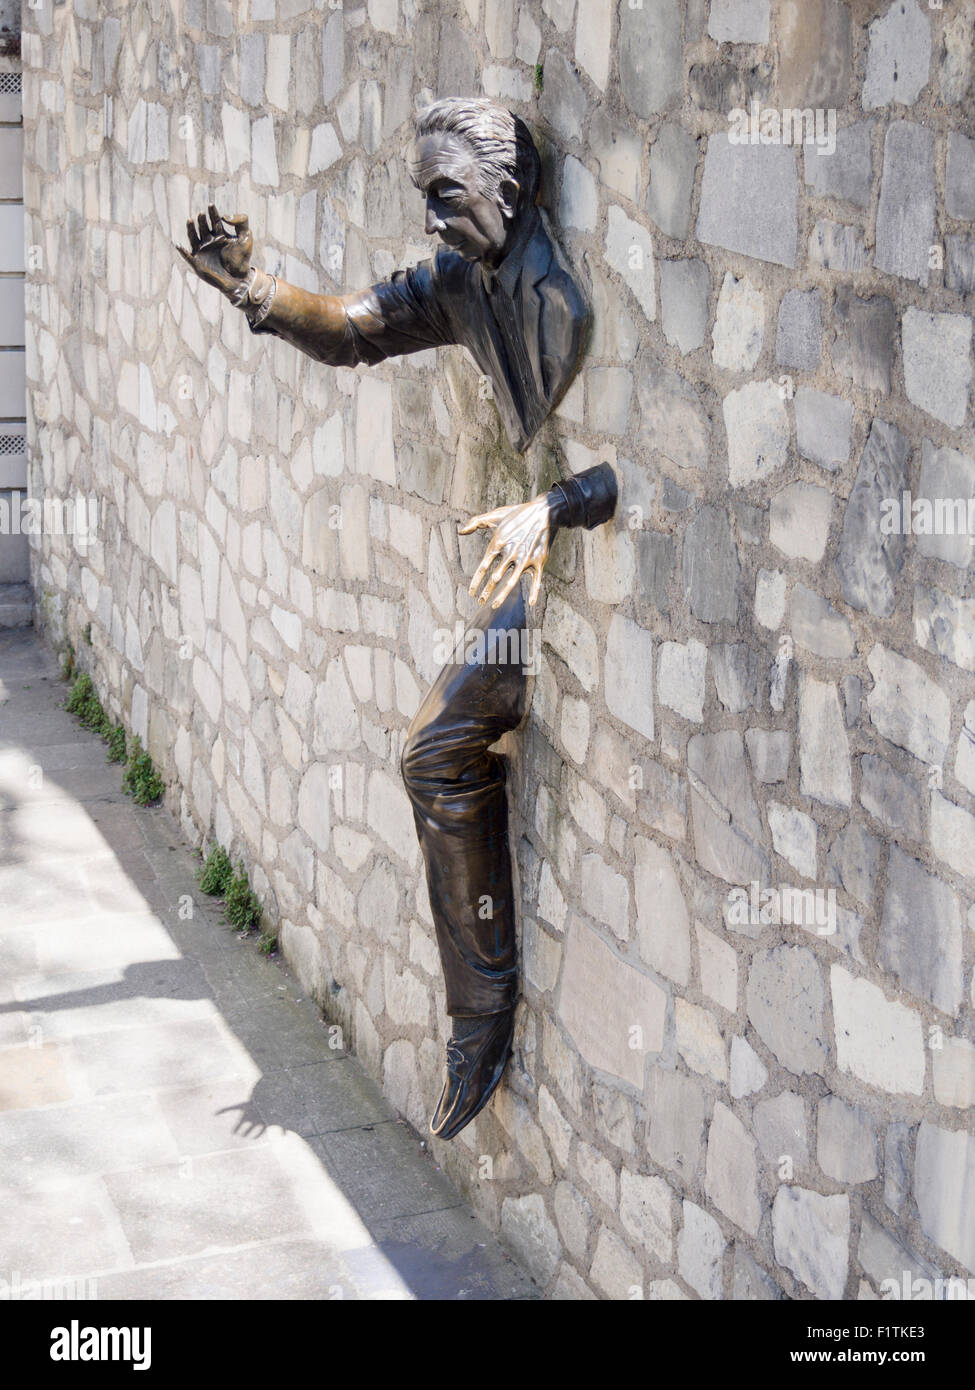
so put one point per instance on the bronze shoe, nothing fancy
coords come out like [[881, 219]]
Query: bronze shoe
[[476, 1057]]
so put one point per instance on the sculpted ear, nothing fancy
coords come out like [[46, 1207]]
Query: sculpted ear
[[509, 190]]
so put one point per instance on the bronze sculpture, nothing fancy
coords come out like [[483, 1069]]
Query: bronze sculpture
[[500, 287]]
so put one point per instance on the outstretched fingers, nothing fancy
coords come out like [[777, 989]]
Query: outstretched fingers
[[486, 521]]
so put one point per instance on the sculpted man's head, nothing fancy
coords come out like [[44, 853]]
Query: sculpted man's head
[[477, 165]]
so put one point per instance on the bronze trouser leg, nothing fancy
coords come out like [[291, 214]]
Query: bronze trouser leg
[[457, 789]]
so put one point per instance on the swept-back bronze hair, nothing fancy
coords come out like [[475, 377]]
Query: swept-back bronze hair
[[499, 141]]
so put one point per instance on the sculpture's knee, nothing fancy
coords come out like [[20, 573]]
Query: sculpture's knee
[[416, 763]]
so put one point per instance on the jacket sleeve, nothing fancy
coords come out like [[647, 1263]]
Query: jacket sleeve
[[402, 314]]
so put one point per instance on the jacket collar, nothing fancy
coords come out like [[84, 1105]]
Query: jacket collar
[[506, 275]]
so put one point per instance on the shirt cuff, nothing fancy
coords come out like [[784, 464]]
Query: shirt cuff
[[587, 499]]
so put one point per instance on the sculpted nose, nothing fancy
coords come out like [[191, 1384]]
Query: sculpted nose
[[433, 222]]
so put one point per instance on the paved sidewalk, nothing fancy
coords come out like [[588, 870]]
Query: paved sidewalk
[[173, 1123]]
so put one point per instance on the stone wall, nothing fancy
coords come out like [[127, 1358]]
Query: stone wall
[[745, 683]]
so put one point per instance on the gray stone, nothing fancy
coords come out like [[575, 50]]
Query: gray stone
[[739, 325], [837, 247], [799, 521], [739, 21], [960, 264], [252, 69], [877, 1040], [662, 801], [885, 1258], [629, 250], [906, 212], [824, 754], [946, 489], [673, 162], [815, 51], [700, 1251], [897, 1164], [728, 84], [811, 1237], [737, 674], [944, 1179], [749, 199], [770, 751], [528, 1230], [731, 1171], [654, 566], [908, 707], [853, 862], [823, 427], [868, 561], [786, 1005], [938, 364], [650, 56], [751, 1283], [921, 933], [645, 1213], [680, 678], [748, 1074], [711, 569], [757, 426], [866, 339], [945, 625], [846, 1142], [899, 57], [684, 303], [673, 420], [960, 177], [847, 173], [727, 827], [852, 688], [781, 1130], [894, 800], [563, 101], [333, 56], [818, 627], [799, 338], [677, 1107]]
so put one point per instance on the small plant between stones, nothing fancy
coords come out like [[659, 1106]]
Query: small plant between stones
[[141, 780], [217, 873], [84, 704], [241, 903]]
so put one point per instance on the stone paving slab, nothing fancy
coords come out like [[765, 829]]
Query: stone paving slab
[[173, 1121]]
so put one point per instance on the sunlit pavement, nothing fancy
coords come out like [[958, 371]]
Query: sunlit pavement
[[173, 1121]]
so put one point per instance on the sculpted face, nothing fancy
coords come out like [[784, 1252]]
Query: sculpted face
[[473, 225]]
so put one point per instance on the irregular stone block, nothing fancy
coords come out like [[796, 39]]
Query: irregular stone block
[[944, 1177], [629, 674], [602, 999], [786, 1005], [758, 431], [953, 835], [563, 101], [654, 566], [945, 625], [673, 161], [815, 47], [921, 933], [938, 364], [662, 923], [866, 339], [818, 627], [650, 57], [907, 707], [954, 1073], [946, 490], [731, 1173], [728, 85], [960, 177], [899, 57], [811, 1237], [906, 212], [824, 753], [823, 427], [853, 862], [672, 419], [846, 1144], [629, 250], [799, 339], [680, 678], [836, 247], [739, 21], [684, 303], [867, 560], [799, 518], [781, 1130], [700, 1251], [739, 325], [711, 568], [960, 264], [749, 200], [770, 751], [737, 673], [727, 827], [752, 1284], [675, 1138], [894, 800], [847, 173], [793, 837], [699, 1040], [529, 1231]]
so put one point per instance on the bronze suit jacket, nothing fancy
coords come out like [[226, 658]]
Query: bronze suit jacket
[[523, 324]]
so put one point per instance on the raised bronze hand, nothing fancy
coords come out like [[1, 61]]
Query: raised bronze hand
[[220, 258], [520, 542]]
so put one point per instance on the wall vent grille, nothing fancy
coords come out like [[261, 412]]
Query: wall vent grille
[[11, 444], [9, 83]]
